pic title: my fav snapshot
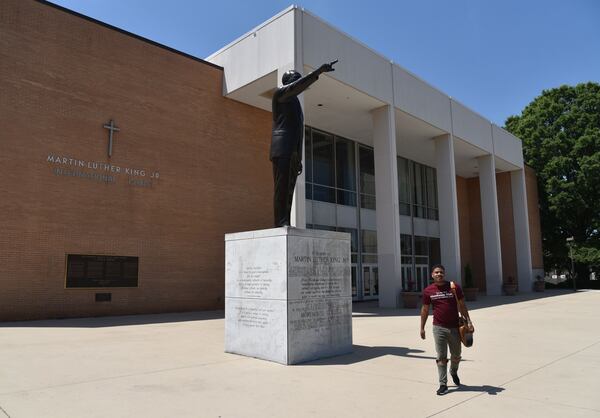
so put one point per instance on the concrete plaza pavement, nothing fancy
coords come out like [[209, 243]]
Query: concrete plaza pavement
[[535, 355]]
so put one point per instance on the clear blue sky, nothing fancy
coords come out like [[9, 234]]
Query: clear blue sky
[[492, 56]]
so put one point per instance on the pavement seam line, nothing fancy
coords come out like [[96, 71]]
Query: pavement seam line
[[4, 411], [517, 378]]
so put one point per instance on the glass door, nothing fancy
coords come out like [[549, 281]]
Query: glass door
[[423, 277], [408, 283], [370, 279], [415, 280]]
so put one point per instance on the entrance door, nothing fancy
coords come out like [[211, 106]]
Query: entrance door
[[370, 279], [415, 282], [422, 271]]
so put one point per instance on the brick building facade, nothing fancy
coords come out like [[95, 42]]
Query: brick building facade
[[63, 77]]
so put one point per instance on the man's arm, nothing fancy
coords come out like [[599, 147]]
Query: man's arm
[[298, 86], [424, 315], [464, 311]]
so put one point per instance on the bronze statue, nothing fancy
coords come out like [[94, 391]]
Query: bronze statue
[[286, 140]]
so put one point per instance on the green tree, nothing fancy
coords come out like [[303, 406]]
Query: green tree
[[560, 130]]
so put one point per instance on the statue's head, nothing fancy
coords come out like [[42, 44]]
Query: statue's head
[[290, 76]]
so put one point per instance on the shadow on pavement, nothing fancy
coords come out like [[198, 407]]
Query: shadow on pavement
[[117, 321], [490, 390], [363, 353], [371, 308]]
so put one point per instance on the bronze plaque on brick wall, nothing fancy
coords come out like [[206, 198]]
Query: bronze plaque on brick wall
[[101, 271]]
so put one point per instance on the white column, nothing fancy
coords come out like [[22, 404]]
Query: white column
[[491, 225], [521, 220], [388, 211], [448, 207]]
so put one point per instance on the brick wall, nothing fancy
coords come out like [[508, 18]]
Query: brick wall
[[507, 225], [476, 228], [464, 223], [471, 227], [62, 77]]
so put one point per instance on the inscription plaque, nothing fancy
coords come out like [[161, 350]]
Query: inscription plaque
[[288, 294]]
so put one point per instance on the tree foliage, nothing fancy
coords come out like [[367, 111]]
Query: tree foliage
[[560, 130]]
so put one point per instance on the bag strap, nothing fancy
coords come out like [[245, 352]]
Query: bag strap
[[453, 289]]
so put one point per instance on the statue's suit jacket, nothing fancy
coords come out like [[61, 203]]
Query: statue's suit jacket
[[288, 120]]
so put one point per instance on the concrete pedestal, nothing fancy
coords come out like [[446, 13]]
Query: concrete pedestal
[[288, 294]]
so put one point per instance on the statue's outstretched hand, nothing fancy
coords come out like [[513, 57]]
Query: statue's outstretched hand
[[328, 67]]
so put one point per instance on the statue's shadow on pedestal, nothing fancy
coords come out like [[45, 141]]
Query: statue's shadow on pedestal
[[362, 353]]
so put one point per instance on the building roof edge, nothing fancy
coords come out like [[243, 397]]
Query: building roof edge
[[130, 34]]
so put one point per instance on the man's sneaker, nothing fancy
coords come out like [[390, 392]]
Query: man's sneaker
[[455, 378], [443, 389]]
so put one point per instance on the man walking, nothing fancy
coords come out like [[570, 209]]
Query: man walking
[[445, 324]]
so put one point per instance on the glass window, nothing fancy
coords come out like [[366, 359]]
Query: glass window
[[345, 164], [308, 156], [421, 247], [404, 185], [346, 198], [435, 256], [369, 241], [432, 202], [406, 245], [369, 259], [367, 177], [422, 182], [309, 194], [420, 191], [323, 194], [353, 236], [323, 164], [421, 260], [367, 202]]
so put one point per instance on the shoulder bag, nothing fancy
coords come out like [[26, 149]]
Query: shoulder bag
[[465, 327]]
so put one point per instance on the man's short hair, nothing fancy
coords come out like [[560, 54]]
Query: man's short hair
[[438, 266]]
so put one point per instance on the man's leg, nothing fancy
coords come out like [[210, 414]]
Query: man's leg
[[281, 179], [455, 354], [291, 187], [440, 336]]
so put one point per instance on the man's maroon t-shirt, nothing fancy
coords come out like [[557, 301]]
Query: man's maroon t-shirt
[[445, 310]]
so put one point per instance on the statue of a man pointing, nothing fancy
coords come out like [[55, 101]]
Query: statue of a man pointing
[[286, 139]]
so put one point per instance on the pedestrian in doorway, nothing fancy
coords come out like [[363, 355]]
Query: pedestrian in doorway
[[445, 324]]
